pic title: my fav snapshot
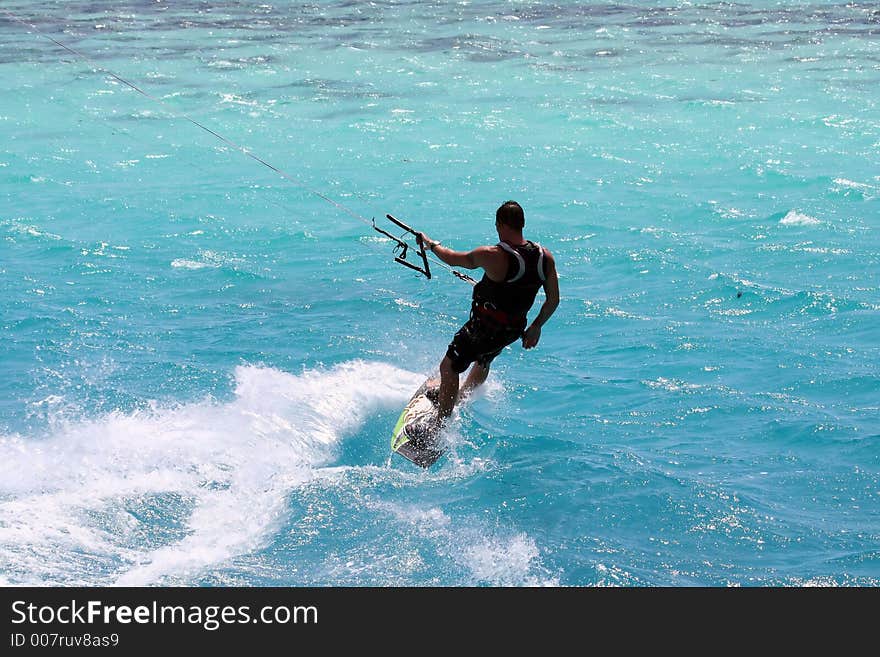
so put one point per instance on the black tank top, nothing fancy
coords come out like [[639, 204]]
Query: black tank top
[[508, 301]]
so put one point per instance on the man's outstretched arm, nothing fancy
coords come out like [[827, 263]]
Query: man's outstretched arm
[[551, 292], [479, 257]]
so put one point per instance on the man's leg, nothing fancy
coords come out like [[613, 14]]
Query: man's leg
[[475, 378], [448, 389]]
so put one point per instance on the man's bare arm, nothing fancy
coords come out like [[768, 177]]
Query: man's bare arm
[[551, 302], [481, 257]]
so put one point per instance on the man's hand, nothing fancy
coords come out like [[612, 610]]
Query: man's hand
[[531, 337]]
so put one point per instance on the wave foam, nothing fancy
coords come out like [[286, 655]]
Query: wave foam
[[795, 218], [490, 557], [158, 495]]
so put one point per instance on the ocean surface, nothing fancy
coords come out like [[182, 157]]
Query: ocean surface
[[202, 360]]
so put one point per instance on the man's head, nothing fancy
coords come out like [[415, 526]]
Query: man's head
[[510, 214]]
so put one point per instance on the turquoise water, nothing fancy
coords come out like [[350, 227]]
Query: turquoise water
[[202, 362]]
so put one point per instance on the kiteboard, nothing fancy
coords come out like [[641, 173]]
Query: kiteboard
[[416, 436]]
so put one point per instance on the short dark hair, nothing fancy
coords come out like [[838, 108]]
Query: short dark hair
[[511, 214]]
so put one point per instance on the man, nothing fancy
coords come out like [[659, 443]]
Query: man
[[515, 269]]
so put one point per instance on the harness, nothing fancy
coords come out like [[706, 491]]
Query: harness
[[487, 310]]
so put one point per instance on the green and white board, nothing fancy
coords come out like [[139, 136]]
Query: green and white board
[[415, 438]]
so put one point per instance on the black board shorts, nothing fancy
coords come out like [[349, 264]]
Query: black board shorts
[[480, 341]]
